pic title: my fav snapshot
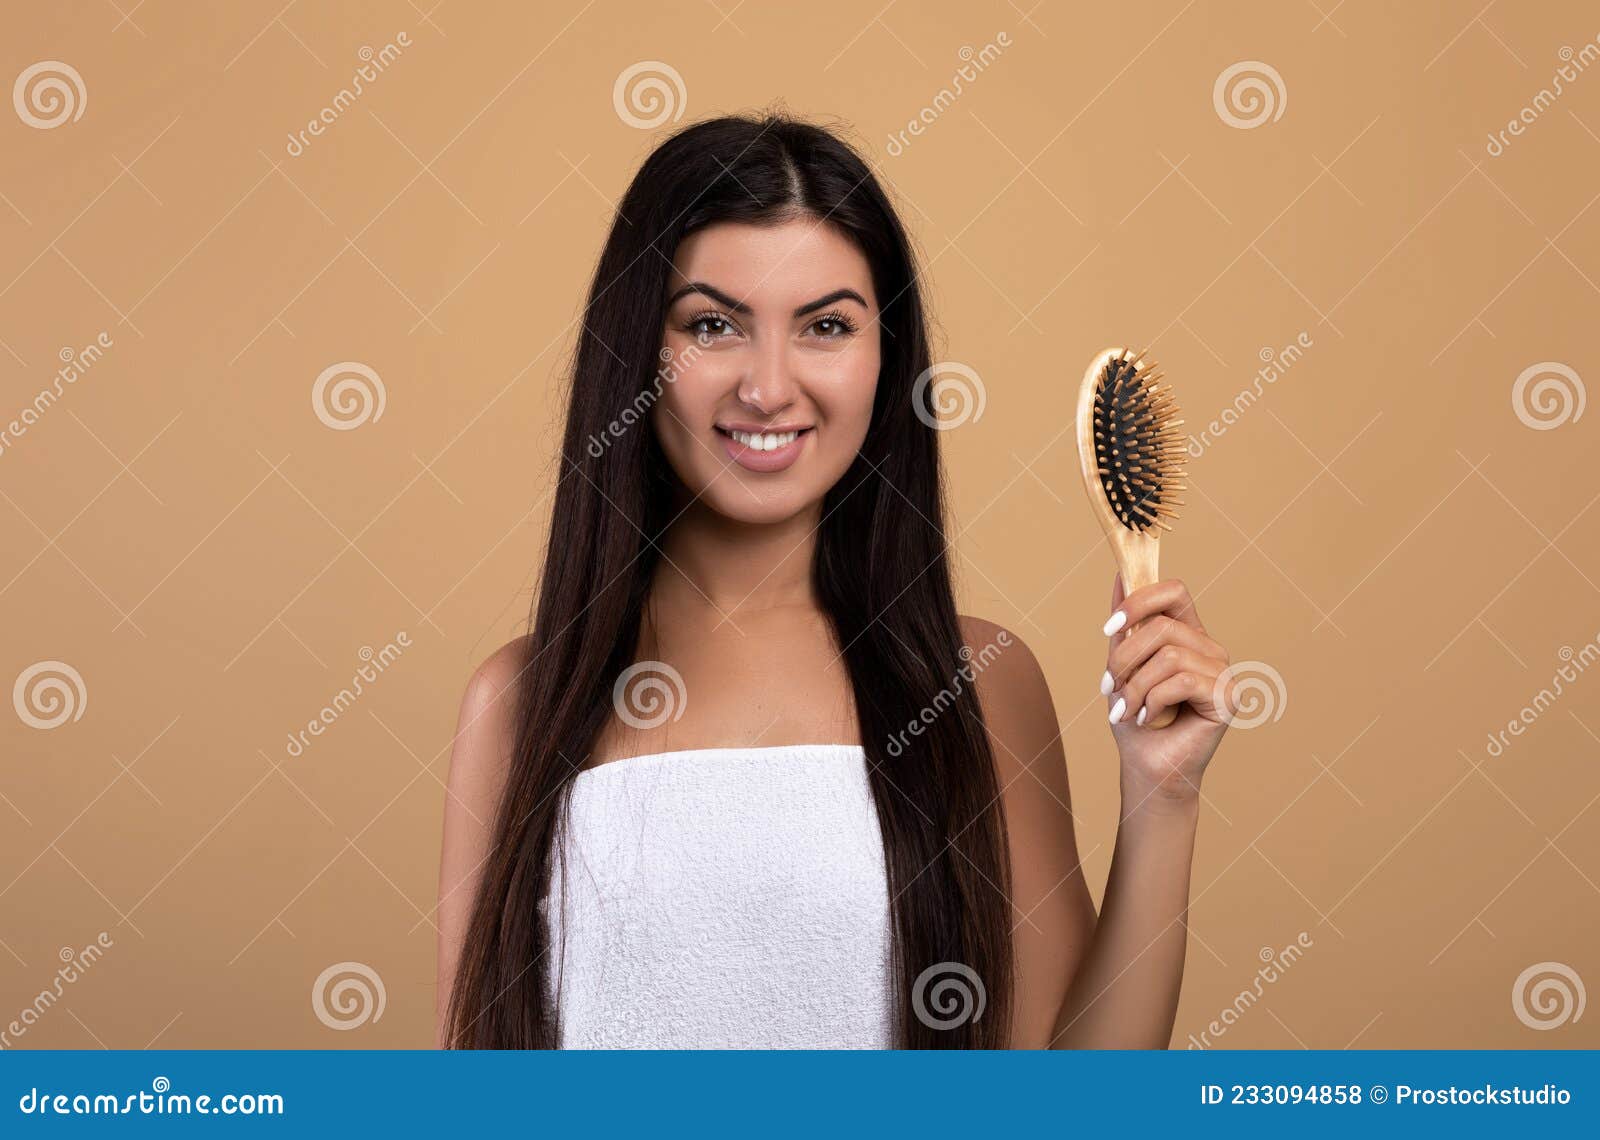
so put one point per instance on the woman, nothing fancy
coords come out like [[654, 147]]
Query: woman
[[738, 786]]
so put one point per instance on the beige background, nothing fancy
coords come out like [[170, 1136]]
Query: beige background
[[1382, 527]]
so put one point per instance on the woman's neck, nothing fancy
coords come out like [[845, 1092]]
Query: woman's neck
[[714, 563]]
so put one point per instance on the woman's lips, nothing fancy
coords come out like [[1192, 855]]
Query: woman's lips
[[755, 459]]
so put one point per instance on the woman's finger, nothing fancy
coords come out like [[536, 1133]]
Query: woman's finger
[[1116, 604], [1198, 690], [1129, 652], [1116, 637], [1166, 664], [1169, 596]]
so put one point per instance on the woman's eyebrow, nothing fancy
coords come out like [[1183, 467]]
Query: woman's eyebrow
[[723, 299], [711, 291], [836, 295]]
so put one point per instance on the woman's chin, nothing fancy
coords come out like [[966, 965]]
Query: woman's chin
[[759, 503]]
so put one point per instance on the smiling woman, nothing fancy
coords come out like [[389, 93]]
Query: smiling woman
[[686, 810]]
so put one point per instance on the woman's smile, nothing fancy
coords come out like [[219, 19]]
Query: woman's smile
[[764, 451]]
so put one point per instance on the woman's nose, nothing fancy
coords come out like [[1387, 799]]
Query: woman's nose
[[769, 386]]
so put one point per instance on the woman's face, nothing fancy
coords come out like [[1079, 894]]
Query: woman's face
[[774, 355]]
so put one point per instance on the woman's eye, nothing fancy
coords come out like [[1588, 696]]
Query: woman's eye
[[832, 327], [709, 326]]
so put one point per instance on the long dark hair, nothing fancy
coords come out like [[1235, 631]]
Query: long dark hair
[[880, 573]]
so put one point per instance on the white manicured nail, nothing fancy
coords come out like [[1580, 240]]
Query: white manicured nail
[[1114, 623], [1118, 709], [1106, 684], [1140, 718]]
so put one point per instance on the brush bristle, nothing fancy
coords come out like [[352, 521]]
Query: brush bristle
[[1136, 443]]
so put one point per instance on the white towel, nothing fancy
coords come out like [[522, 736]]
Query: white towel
[[723, 898]]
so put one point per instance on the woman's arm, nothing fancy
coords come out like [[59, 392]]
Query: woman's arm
[[1125, 993], [1110, 981], [479, 761]]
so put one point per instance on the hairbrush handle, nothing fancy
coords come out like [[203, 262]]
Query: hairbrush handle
[[1139, 568], [1138, 553]]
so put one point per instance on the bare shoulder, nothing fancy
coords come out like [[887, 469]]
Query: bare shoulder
[[481, 753], [498, 674], [1012, 688]]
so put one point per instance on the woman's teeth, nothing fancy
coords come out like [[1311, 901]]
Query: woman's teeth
[[765, 442]]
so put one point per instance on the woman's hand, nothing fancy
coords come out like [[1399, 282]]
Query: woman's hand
[[1167, 661]]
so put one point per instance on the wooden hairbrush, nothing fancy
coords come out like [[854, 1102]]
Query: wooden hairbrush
[[1129, 449]]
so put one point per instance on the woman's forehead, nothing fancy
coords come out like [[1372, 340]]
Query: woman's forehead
[[787, 263]]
